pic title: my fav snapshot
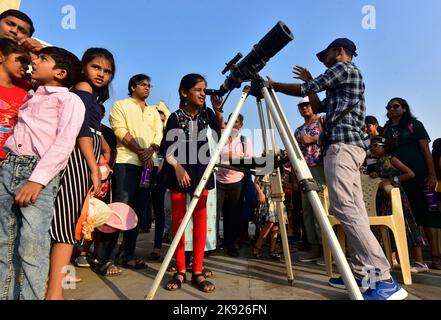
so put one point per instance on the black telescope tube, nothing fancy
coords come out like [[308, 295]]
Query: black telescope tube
[[274, 41]]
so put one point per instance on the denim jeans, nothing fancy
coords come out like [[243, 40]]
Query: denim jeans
[[24, 232]]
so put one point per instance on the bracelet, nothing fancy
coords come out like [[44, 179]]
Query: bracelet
[[219, 110]]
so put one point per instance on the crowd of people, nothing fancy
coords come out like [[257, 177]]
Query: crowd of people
[[54, 151]]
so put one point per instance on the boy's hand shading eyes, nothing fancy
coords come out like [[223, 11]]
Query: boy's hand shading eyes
[[32, 45], [28, 194]]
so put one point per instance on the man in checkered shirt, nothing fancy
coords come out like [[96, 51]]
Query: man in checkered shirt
[[345, 108]]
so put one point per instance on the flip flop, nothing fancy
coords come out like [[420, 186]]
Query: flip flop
[[139, 264], [105, 269]]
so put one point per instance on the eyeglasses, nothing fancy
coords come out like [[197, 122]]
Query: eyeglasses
[[376, 145], [144, 84], [394, 106]]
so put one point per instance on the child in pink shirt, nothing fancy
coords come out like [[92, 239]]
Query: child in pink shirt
[[38, 150]]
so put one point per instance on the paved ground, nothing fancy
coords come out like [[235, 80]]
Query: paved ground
[[243, 278]]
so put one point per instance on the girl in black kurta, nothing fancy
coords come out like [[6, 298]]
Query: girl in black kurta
[[185, 146]]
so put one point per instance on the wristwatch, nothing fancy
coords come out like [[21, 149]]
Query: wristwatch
[[396, 180]]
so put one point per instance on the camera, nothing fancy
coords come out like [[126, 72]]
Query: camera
[[247, 68]]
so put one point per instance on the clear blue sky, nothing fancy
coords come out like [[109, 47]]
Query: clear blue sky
[[169, 38]]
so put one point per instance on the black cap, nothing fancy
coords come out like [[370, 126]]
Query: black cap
[[337, 43]]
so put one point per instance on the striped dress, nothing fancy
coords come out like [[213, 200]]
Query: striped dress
[[75, 179]]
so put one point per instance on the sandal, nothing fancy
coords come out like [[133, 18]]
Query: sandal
[[139, 264], [257, 252], [419, 267], [274, 255], [154, 256], [176, 283], [436, 262], [207, 273], [107, 269], [172, 268], [203, 285]]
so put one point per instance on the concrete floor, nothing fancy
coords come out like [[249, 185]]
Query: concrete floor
[[242, 278]]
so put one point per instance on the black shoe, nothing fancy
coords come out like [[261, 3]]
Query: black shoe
[[233, 252], [304, 247], [166, 239]]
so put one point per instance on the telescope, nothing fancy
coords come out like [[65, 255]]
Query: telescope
[[245, 70]]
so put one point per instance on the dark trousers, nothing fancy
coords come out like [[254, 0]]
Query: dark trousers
[[230, 205], [126, 189], [158, 196]]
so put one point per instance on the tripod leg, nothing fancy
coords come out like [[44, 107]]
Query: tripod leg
[[199, 189], [278, 196], [303, 174], [262, 125]]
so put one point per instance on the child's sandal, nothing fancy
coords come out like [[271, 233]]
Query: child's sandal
[[207, 273], [203, 285], [176, 283], [257, 252], [275, 255]]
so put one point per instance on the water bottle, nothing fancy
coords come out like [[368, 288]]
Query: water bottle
[[145, 178], [431, 201]]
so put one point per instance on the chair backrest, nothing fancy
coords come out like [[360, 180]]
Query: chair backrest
[[370, 188]]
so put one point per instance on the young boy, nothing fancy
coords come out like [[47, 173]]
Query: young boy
[[43, 139], [14, 62]]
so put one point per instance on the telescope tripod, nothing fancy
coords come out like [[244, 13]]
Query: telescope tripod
[[260, 89]]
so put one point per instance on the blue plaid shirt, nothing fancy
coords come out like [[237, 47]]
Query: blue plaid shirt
[[344, 88]]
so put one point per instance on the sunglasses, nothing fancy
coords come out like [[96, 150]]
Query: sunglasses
[[376, 145], [394, 106]]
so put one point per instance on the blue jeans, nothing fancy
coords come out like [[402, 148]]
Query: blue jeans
[[24, 232]]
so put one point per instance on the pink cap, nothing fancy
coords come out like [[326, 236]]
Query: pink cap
[[123, 218]]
